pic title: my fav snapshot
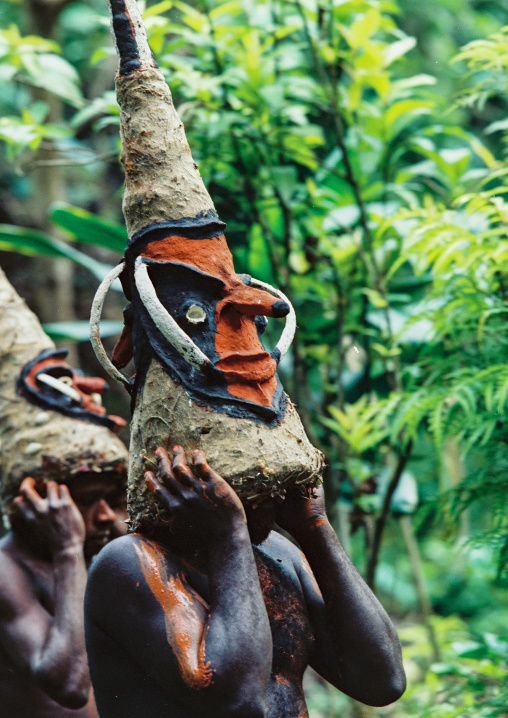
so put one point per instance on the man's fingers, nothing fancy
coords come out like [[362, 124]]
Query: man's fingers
[[53, 495], [32, 498], [202, 467], [180, 468], [22, 508], [157, 488], [65, 494], [164, 463]]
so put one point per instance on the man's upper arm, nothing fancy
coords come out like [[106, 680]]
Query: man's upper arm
[[24, 622]]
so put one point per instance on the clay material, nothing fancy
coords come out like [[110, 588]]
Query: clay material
[[255, 459], [161, 179], [35, 441]]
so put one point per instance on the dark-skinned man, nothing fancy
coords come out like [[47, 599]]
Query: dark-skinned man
[[55, 431], [43, 568], [196, 620]]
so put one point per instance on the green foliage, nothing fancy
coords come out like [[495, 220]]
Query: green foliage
[[33, 243], [78, 331], [353, 175], [88, 228], [468, 681], [34, 61]]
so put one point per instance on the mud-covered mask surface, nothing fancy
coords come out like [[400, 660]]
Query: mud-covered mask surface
[[190, 270], [49, 382]]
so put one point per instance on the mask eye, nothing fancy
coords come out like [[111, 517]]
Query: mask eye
[[195, 314], [67, 380]]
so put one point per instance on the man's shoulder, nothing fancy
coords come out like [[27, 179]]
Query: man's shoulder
[[278, 547], [121, 564], [120, 578], [121, 558]]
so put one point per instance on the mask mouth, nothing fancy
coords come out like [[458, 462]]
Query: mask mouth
[[247, 367]]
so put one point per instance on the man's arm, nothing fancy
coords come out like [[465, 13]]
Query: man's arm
[[202, 654], [357, 648], [48, 647]]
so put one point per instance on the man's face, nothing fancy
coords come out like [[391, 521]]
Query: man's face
[[98, 500]]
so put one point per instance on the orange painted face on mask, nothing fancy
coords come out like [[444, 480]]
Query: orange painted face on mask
[[51, 383], [248, 369]]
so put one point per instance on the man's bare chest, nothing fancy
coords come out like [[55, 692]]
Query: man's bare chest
[[291, 629]]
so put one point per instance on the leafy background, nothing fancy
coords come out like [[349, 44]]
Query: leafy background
[[357, 150]]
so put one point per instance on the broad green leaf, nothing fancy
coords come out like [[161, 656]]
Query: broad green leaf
[[403, 111], [158, 9], [55, 75], [88, 228], [34, 243], [258, 257], [397, 49], [362, 29], [285, 180], [79, 331]]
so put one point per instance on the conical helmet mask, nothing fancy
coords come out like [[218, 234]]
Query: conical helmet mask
[[203, 378]]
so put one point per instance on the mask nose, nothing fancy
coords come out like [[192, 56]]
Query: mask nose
[[280, 309], [256, 302]]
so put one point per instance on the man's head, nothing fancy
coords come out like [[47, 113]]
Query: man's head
[[100, 499], [97, 497]]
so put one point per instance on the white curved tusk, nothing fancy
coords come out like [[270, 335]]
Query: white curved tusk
[[95, 321], [60, 386], [164, 321], [288, 334]]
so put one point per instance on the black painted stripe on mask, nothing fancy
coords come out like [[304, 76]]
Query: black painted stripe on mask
[[205, 225], [125, 38]]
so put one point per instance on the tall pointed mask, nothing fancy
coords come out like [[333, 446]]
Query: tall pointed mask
[[203, 379], [52, 422]]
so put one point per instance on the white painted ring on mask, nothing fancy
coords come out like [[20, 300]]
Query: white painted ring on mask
[[288, 333], [164, 321], [95, 321]]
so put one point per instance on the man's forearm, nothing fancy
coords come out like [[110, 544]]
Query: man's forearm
[[237, 614], [355, 616], [61, 667]]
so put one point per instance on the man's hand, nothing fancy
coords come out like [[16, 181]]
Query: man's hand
[[54, 520], [301, 512], [199, 499]]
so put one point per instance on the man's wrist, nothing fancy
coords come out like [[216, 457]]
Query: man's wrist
[[311, 528], [70, 551], [235, 531]]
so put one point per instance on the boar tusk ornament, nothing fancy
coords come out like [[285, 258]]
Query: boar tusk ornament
[[167, 325]]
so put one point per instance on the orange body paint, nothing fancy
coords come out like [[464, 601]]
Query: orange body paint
[[185, 615], [306, 567]]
